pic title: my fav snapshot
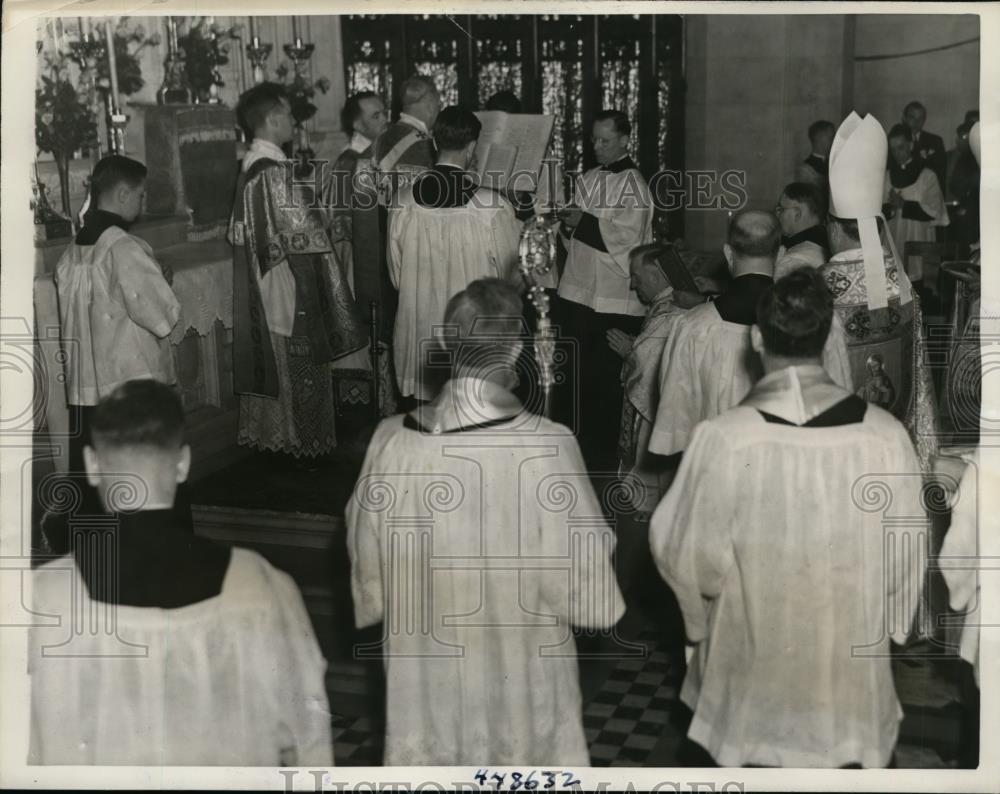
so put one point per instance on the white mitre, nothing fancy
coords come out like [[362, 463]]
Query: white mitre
[[857, 182], [974, 142]]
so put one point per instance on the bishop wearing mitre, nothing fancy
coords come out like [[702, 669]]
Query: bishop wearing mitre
[[873, 297]]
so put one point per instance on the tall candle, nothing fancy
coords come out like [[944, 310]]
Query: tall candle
[[112, 61], [253, 30], [295, 31]]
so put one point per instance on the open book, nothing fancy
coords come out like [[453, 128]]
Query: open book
[[511, 148]]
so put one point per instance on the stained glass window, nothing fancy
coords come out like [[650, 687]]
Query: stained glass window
[[561, 62], [499, 56], [368, 57], [620, 81], [432, 49], [567, 65]]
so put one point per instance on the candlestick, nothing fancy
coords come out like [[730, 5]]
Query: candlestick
[[112, 62]]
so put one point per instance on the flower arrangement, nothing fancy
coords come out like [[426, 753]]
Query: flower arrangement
[[301, 92], [64, 121], [206, 48], [128, 44]]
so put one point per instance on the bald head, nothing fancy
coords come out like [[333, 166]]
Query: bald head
[[419, 97], [752, 242]]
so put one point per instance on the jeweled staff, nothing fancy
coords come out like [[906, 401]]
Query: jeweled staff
[[536, 257]]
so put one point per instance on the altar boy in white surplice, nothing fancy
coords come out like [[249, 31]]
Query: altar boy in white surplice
[[476, 538], [167, 648], [791, 538], [445, 233]]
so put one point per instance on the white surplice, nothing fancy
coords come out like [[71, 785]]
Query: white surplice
[[434, 254], [623, 206], [960, 560], [708, 366], [479, 549], [795, 555], [235, 680], [927, 193]]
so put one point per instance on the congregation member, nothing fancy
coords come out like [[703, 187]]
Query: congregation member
[[396, 156], [961, 190], [445, 233], [116, 305], [467, 687], [777, 591], [928, 148], [801, 212], [708, 365], [611, 214], [914, 205], [212, 661], [294, 311], [814, 169], [876, 304]]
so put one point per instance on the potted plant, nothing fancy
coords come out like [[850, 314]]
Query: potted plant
[[64, 122]]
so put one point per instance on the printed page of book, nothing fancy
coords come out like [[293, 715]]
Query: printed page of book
[[512, 144]]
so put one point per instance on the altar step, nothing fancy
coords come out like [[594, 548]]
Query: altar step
[[311, 547]]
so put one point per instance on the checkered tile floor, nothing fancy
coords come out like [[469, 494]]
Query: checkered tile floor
[[630, 715], [629, 720]]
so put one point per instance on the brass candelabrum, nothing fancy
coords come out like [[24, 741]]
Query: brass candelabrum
[[86, 53], [175, 88], [257, 53], [299, 54]]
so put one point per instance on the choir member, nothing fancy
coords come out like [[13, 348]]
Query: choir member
[[928, 148], [401, 152], [708, 365], [445, 233], [876, 304], [212, 659], [815, 168], [116, 306], [497, 570], [914, 205], [790, 587], [294, 312], [801, 212], [612, 213]]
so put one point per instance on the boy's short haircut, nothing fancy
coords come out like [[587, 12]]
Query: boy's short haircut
[[256, 104], [795, 315], [113, 171], [139, 413], [456, 127]]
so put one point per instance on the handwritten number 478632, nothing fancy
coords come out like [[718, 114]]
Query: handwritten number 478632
[[518, 780]]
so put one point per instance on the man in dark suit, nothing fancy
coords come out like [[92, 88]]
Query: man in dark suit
[[814, 169], [928, 148]]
